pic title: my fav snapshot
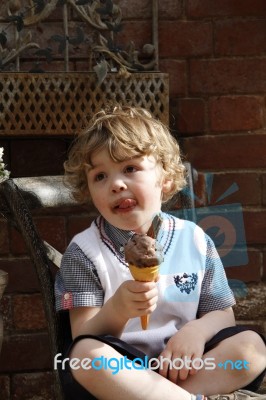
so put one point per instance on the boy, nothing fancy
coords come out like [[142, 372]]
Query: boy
[[128, 163]]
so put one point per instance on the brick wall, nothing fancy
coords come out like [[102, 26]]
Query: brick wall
[[215, 54], [219, 112]]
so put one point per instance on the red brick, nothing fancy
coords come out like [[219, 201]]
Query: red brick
[[228, 8], [54, 66], [77, 224], [4, 242], [22, 277], [139, 9], [37, 157], [28, 312], [236, 113], [177, 76], [200, 189], [219, 153], [31, 386], [264, 189], [17, 243], [223, 76], [247, 273], [255, 227], [191, 116], [236, 38], [5, 311], [51, 229], [169, 9], [140, 32], [5, 385], [248, 187], [192, 39], [25, 352], [264, 267], [136, 9]]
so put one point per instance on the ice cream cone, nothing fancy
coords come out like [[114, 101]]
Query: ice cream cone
[[144, 274]]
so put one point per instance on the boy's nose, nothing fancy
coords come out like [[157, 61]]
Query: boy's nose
[[118, 185]]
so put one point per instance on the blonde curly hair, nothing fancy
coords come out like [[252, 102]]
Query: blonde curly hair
[[126, 132]]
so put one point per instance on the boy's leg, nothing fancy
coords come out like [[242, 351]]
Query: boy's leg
[[200, 383], [246, 345], [130, 384]]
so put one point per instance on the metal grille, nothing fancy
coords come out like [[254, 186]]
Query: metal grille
[[60, 103]]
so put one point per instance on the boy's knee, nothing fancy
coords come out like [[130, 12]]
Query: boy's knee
[[252, 349], [250, 342]]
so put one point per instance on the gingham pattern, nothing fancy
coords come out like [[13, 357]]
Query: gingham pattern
[[77, 283], [215, 291]]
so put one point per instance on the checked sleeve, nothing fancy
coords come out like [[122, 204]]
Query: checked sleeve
[[215, 292], [77, 283]]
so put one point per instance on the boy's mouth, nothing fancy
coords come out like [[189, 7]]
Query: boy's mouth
[[125, 204]]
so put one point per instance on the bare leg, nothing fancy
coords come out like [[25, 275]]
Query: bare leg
[[243, 346], [130, 384]]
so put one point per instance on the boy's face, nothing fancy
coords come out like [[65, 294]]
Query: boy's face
[[128, 193]]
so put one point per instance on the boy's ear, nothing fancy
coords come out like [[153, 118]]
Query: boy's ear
[[167, 185]]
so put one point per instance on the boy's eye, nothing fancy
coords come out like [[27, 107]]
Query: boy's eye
[[130, 169], [99, 177]]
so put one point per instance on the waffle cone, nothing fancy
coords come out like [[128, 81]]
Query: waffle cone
[[144, 274]]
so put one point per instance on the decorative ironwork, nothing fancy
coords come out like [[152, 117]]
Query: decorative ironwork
[[61, 103], [103, 19]]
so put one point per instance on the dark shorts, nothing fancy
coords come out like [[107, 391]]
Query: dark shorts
[[73, 390]]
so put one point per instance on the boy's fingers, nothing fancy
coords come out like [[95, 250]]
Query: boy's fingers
[[138, 287], [183, 373]]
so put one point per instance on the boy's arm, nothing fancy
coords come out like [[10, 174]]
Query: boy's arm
[[94, 321], [190, 340], [132, 299], [212, 322], [79, 277]]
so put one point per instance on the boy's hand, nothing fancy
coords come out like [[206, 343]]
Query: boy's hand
[[134, 299], [187, 344]]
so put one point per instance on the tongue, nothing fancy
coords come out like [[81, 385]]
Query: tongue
[[127, 203]]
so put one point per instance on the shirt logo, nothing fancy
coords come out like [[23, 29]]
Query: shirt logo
[[186, 283]]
